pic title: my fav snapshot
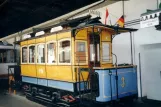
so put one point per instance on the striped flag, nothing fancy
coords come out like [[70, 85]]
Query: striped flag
[[107, 14], [121, 21]]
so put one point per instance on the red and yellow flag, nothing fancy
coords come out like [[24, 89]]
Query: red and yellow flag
[[121, 21], [107, 14]]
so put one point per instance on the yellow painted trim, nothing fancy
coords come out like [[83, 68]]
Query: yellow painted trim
[[81, 34], [28, 70], [63, 35], [105, 36], [40, 40], [51, 38], [23, 43], [73, 50], [32, 41]]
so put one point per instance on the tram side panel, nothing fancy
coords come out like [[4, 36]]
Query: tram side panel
[[28, 70], [58, 75], [127, 83]]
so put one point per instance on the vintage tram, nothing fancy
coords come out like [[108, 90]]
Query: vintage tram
[[7, 57], [71, 61]]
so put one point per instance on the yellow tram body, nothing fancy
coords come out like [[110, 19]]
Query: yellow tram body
[[65, 71], [75, 62]]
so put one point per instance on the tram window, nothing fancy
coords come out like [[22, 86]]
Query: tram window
[[105, 52], [41, 53], [10, 56], [24, 55], [92, 52], [3, 56], [81, 52], [51, 53], [32, 54], [81, 47], [6, 56], [64, 51]]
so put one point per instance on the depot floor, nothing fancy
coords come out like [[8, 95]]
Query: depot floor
[[10, 100], [7, 100]]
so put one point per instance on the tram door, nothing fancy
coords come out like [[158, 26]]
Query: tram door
[[94, 50]]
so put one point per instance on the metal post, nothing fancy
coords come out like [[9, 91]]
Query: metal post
[[15, 59], [131, 48], [140, 76], [123, 7], [110, 74], [9, 89], [158, 1]]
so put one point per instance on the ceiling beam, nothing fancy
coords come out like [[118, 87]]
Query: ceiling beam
[[53, 21]]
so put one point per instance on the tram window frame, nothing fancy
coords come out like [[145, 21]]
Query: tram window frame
[[22, 62], [85, 51], [108, 60], [98, 52], [29, 54], [55, 62], [38, 52], [7, 56], [70, 49]]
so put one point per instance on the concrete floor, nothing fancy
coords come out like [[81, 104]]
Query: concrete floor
[[7, 100], [16, 101]]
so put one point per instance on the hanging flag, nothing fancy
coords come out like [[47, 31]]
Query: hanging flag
[[106, 16], [121, 21]]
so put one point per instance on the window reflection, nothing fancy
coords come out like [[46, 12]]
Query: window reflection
[[51, 50], [105, 52], [80, 52], [64, 51], [24, 55], [41, 53], [32, 54]]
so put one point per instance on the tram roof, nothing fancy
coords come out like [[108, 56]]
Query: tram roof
[[80, 23], [112, 29]]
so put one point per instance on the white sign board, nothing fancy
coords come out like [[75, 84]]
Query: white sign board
[[149, 20]]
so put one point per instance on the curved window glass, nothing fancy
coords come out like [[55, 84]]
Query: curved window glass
[[31, 54], [81, 52], [64, 51], [41, 53], [51, 52], [24, 54], [7, 56], [105, 52]]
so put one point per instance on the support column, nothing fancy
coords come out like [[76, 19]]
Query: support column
[[131, 43]]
